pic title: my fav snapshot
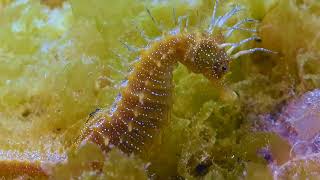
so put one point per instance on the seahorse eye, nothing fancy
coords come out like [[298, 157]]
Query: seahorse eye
[[224, 68]]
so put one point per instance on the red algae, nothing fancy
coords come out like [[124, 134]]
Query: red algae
[[304, 116]]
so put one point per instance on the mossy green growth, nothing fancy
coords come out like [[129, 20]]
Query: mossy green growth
[[58, 65], [115, 165]]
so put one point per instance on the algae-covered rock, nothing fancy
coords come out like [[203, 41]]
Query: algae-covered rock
[[61, 60]]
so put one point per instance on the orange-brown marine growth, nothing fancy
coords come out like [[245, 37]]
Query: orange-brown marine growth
[[143, 105]]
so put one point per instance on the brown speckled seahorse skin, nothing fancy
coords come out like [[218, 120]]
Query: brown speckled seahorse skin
[[143, 105]]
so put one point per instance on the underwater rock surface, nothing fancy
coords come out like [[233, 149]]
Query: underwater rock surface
[[60, 62]]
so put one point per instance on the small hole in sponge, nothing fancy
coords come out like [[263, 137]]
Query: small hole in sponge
[[26, 113], [202, 168]]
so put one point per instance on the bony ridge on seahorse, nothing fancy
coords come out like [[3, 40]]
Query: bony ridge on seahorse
[[144, 103]]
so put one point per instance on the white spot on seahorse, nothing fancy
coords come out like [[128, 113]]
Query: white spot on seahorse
[[136, 113], [130, 126], [147, 82], [164, 56], [106, 141], [159, 63], [141, 97]]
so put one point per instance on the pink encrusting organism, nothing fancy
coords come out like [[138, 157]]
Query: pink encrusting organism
[[299, 125], [144, 103]]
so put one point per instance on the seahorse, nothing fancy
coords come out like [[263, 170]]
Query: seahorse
[[143, 106]]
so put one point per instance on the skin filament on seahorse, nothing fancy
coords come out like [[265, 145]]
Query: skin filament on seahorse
[[144, 103]]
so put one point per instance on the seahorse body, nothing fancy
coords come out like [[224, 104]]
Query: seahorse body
[[144, 103]]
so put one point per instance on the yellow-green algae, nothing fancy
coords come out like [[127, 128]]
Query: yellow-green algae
[[59, 65]]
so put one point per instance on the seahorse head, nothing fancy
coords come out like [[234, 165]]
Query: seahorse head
[[205, 56]]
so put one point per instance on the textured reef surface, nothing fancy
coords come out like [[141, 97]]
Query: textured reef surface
[[60, 61], [298, 125]]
